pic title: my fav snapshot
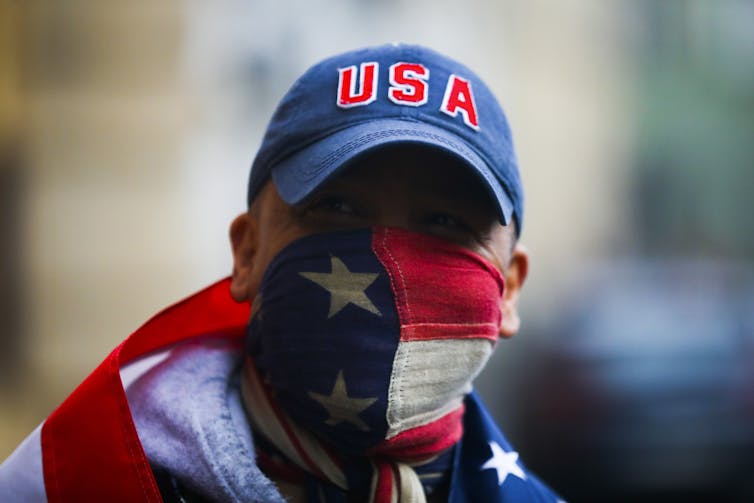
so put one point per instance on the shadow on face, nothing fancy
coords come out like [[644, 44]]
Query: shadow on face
[[415, 188]]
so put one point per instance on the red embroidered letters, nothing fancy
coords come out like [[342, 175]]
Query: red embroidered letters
[[409, 86]]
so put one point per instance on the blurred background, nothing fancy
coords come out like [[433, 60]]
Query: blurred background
[[126, 134]]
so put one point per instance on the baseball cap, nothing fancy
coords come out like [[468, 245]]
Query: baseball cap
[[358, 101]]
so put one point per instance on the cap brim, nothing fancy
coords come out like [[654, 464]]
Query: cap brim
[[299, 175]]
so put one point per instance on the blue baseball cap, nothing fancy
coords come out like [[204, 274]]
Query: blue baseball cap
[[366, 99]]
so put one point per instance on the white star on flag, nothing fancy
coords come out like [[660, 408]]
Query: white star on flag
[[345, 287], [504, 462]]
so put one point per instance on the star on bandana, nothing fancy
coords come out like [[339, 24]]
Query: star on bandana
[[345, 287], [505, 463], [341, 407]]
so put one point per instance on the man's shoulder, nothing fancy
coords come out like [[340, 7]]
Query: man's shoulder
[[21, 475], [195, 349], [192, 426]]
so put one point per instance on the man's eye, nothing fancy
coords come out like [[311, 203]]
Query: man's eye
[[446, 221], [451, 227], [334, 204]]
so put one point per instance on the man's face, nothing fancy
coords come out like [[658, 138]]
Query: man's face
[[415, 189]]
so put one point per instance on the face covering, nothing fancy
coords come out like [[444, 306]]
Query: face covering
[[365, 343]]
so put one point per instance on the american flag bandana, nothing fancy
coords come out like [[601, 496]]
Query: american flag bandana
[[364, 344]]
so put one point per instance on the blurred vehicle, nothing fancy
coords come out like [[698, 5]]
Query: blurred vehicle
[[644, 386]]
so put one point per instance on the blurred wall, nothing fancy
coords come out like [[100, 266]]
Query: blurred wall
[[97, 122]]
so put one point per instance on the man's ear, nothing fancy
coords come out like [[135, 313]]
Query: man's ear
[[515, 276], [243, 243]]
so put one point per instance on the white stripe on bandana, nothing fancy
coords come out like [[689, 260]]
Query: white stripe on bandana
[[431, 378]]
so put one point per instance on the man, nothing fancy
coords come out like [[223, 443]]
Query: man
[[373, 274]]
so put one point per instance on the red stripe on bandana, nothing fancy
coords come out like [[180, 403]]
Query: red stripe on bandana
[[424, 271], [437, 331], [424, 441], [384, 488]]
